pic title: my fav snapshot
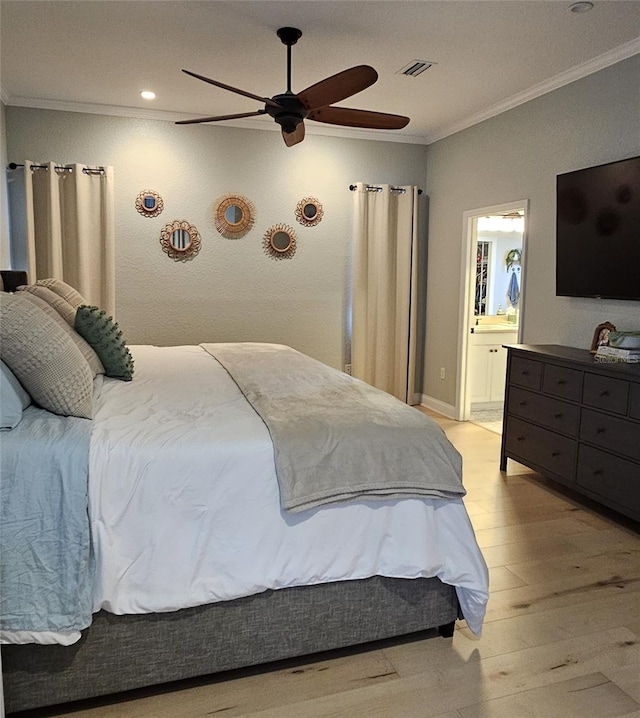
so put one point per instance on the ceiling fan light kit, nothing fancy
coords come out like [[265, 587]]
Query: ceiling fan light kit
[[290, 110]]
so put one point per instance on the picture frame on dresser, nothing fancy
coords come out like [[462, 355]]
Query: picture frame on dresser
[[601, 335]]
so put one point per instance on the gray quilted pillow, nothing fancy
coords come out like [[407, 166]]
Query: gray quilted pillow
[[64, 290], [85, 348], [62, 306], [44, 358]]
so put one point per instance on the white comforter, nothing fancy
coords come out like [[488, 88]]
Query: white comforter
[[176, 453]]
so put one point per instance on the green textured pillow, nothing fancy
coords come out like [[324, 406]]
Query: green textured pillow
[[104, 335]]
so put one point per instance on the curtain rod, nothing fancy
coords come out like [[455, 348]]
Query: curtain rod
[[64, 168], [372, 188]]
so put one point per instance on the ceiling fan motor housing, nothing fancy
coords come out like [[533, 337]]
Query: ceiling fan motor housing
[[290, 113]]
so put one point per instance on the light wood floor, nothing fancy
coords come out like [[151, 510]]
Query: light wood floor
[[561, 637]]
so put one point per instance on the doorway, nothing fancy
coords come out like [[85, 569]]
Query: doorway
[[491, 308]]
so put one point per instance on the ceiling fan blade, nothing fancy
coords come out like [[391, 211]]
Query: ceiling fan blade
[[266, 100], [292, 138], [358, 118], [221, 117], [338, 87]]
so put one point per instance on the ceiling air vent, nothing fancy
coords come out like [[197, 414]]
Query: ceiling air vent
[[415, 67]]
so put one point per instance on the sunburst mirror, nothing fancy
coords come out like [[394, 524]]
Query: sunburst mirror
[[180, 240], [309, 211], [234, 215], [280, 241]]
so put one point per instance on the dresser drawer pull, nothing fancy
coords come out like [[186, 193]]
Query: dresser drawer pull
[[523, 403], [524, 372], [604, 392], [558, 415], [555, 454], [598, 472], [561, 382], [600, 430], [520, 438]]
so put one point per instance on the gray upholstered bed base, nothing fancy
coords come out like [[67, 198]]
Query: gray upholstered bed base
[[119, 653]]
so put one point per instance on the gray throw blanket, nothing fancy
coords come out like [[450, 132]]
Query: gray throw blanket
[[336, 438]]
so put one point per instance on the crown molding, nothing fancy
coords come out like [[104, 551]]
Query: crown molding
[[622, 52], [261, 123]]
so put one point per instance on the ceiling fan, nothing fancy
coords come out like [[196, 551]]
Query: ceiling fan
[[290, 110]]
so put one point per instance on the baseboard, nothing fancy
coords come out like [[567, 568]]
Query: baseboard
[[436, 405]]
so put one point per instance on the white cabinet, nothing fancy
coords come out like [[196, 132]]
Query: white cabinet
[[488, 366]]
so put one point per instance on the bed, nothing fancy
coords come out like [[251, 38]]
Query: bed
[[228, 509]]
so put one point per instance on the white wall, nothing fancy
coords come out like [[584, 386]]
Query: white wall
[[515, 156], [231, 291]]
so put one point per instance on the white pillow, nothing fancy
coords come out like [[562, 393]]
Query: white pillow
[[44, 358]]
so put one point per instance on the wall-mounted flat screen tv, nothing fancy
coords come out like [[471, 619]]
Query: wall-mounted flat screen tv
[[598, 231]]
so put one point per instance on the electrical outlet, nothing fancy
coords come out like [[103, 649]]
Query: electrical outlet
[[442, 372], [347, 369]]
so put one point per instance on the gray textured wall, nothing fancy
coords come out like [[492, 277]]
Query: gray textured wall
[[231, 291], [515, 156]]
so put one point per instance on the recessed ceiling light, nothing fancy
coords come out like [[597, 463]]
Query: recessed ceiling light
[[148, 95], [581, 6]]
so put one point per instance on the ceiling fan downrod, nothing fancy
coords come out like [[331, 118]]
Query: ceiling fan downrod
[[289, 36]]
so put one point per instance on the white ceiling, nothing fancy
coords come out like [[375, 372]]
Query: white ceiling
[[96, 55]]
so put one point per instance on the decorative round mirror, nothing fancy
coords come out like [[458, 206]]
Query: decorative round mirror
[[180, 240], [309, 211], [234, 215], [149, 203], [280, 242]]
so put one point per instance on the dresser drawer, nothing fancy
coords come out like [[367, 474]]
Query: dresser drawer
[[562, 382], [610, 477], [525, 372], [606, 393], [554, 414], [634, 407], [619, 435], [551, 452]]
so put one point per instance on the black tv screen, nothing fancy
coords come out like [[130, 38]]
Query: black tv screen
[[598, 231]]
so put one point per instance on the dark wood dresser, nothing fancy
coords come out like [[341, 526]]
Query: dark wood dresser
[[576, 421]]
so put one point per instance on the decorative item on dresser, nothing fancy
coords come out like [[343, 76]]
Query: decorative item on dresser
[[601, 335], [575, 421]]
